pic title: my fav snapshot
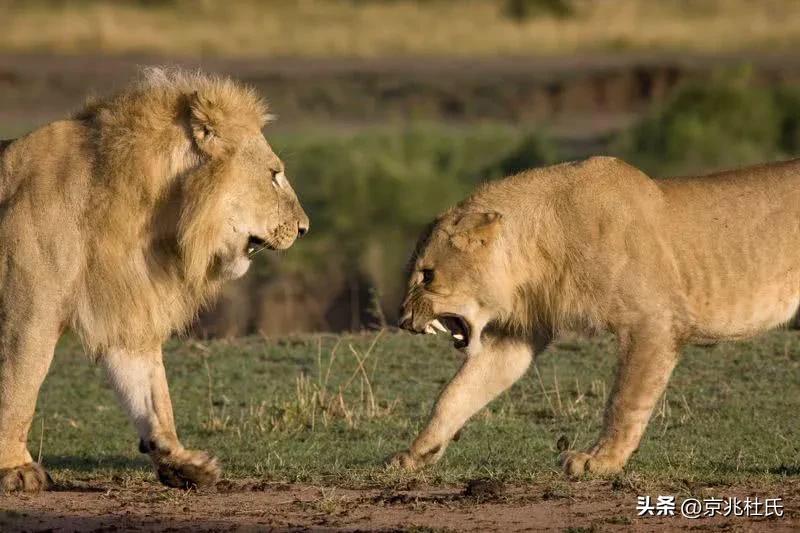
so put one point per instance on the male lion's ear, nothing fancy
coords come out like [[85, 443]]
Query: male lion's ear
[[473, 230], [204, 119]]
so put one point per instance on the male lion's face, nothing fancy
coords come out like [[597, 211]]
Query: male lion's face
[[262, 210], [456, 281]]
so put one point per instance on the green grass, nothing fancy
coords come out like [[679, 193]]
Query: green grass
[[729, 414]]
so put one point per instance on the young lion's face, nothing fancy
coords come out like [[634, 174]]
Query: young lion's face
[[456, 283]]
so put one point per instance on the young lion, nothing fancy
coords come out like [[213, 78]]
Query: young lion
[[120, 223], [597, 243]]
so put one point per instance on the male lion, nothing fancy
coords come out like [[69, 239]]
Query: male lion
[[120, 223], [598, 243]]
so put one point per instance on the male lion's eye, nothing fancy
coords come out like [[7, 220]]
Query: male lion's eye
[[278, 178], [427, 276]]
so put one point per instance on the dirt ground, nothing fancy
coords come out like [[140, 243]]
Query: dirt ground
[[477, 506]]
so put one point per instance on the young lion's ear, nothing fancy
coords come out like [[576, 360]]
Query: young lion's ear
[[473, 230], [204, 118]]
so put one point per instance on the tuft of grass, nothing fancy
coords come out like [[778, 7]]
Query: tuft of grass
[[317, 403]]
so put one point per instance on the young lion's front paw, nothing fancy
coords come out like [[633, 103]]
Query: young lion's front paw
[[187, 469], [404, 460], [413, 461], [29, 477], [576, 464]]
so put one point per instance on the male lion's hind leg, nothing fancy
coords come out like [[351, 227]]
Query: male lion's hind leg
[[645, 365], [482, 377], [140, 382]]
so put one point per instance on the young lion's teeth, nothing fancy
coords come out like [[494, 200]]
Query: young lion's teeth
[[438, 325], [458, 337], [429, 330]]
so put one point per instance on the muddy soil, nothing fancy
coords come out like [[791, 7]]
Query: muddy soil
[[476, 506]]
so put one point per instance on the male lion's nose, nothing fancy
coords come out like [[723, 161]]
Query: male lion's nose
[[302, 228]]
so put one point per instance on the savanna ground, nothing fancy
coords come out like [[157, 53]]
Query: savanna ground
[[302, 425]]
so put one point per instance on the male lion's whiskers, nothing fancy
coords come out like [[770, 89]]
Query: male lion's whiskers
[[253, 253]]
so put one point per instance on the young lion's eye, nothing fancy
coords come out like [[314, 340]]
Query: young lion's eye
[[427, 276]]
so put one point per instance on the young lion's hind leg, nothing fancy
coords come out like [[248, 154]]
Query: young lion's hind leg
[[139, 380], [647, 358]]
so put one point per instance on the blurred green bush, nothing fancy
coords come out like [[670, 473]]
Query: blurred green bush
[[726, 121]]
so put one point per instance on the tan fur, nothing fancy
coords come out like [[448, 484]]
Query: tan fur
[[121, 223], [598, 244]]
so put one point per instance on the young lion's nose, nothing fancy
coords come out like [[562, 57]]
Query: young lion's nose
[[405, 321]]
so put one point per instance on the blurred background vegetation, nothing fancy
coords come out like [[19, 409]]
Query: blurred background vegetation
[[377, 28], [391, 110]]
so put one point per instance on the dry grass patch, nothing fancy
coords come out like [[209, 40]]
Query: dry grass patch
[[390, 28], [319, 399]]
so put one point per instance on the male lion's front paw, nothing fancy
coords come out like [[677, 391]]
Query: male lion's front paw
[[29, 477], [576, 464], [187, 469]]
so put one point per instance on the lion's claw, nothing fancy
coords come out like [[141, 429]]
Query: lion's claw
[[30, 477], [187, 469], [576, 464], [404, 460]]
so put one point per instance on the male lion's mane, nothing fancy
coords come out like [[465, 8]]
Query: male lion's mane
[[150, 222]]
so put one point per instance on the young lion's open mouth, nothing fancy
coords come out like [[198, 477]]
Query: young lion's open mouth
[[455, 325]]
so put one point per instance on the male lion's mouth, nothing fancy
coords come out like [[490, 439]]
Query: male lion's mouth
[[254, 245], [455, 325]]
